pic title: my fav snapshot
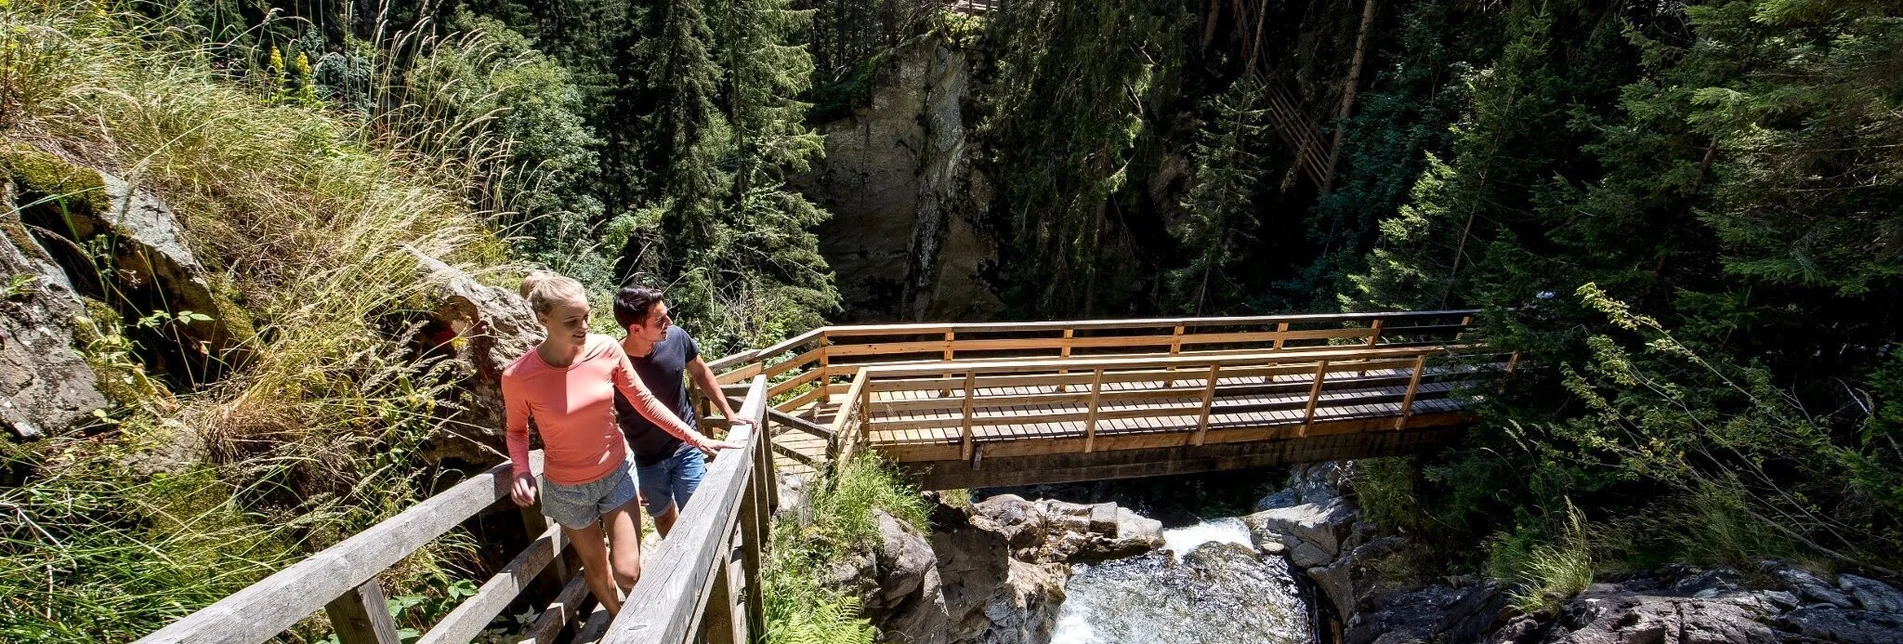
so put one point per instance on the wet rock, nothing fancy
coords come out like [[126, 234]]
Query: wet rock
[[1049, 531], [45, 384], [1287, 497], [1809, 588], [796, 500], [1825, 623], [480, 329], [1871, 594]]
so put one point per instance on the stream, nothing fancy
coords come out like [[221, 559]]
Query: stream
[[1210, 587]]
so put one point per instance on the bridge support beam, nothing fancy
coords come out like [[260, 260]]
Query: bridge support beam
[[1004, 471]]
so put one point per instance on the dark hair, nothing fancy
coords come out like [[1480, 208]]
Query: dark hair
[[632, 304]]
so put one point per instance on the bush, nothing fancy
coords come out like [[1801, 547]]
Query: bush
[[800, 608]]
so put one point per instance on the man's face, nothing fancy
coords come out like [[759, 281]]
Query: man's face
[[654, 328]]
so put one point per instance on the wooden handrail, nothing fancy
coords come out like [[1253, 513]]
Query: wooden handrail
[[704, 580], [262, 610]]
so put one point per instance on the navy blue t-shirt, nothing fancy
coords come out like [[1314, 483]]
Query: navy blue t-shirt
[[664, 371]]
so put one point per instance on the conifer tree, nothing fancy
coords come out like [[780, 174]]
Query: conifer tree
[[1221, 206]]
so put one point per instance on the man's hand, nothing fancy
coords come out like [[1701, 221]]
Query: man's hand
[[524, 489], [711, 445], [739, 420]]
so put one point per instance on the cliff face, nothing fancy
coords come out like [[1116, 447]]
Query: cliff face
[[904, 238]]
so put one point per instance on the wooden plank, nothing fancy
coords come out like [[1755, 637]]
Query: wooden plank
[[1154, 323], [965, 432], [795, 382], [664, 605], [1374, 333], [1090, 422], [1209, 400], [469, 617], [559, 614], [1314, 396], [262, 610], [1413, 385], [801, 424], [1281, 335], [1158, 362], [361, 616], [817, 394], [738, 374]]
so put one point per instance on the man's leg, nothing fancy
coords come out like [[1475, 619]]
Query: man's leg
[[594, 565], [664, 521], [657, 493], [684, 472], [624, 542]]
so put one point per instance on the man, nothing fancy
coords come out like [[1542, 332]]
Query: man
[[662, 354]]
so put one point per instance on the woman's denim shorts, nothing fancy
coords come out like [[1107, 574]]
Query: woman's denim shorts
[[578, 506]]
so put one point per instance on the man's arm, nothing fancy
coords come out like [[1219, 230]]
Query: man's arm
[[709, 387]]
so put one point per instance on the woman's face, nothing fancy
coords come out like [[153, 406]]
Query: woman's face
[[566, 322]]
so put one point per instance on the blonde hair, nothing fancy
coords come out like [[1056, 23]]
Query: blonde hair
[[543, 289]]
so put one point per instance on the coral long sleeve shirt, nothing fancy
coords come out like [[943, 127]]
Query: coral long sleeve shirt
[[574, 410]]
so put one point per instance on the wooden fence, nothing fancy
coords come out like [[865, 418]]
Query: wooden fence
[[729, 511]]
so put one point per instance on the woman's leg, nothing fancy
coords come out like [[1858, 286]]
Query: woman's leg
[[624, 542], [595, 567]]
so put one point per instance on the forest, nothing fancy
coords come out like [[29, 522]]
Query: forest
[[1686, 218]]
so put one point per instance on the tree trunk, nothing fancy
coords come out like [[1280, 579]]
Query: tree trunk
[[1348, 93]]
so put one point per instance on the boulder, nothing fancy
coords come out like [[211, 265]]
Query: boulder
[[152, 269], [1809, 588], [480, 329], [991, 597], [45, 384], [906, 602], [1871, 594], [1433, 614], [1321, 526], [1826, 623], [1609, 614], [796, 500]]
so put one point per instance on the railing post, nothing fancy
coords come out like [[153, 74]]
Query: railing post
[[1407, 400], [1314, 396], [1090, 422], [1176, 349], [1374, 332], [361, 616], [1513, 361], [1281, 335], [1209, 403], [825, 370], [950, 336], [864, 408], [964, 431], [755, 531], [1063, 353]]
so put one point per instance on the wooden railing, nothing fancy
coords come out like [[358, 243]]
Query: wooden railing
[[342, 580]]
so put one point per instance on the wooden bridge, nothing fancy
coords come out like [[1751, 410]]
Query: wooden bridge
[[961, 405]]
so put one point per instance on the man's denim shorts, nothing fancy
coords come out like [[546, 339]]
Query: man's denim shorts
[[672, 479], [578, 506]]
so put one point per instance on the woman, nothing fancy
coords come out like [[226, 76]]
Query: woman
[[567, 384]]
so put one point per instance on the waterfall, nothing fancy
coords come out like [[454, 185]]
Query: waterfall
[[1212, 587]]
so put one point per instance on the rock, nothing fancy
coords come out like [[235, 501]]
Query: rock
[[907, 604], [1825, 623], [1023, 523], [1320, 525], [1871, 594], [1336, 582], [796, 501], [905, 238], [1135, 534], [152, 268], [1434, 613], [481, 329], [990, 597], [1286, 498], [45, 383], [1710, 583], [1307, 555], [1608, 614], [1809, 588]]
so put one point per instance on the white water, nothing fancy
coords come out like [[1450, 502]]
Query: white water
[[1230, 530], [1220, 595]]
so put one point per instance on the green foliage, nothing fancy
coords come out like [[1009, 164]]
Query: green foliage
[[1546, 565], [1066, 112], [1222, 204], [800, 608]]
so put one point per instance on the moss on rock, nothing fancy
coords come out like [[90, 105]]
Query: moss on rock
[[38, 172]]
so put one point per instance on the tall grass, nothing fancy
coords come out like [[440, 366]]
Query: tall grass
[[800, 607], [1545, 565], [307, 215]]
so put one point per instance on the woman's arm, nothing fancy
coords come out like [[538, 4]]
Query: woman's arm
[[515, 406], [644, 402]]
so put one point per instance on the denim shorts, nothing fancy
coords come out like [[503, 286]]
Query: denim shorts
[[578, 506], [672, 479]]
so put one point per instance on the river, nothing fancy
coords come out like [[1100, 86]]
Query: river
[[1211, 587]]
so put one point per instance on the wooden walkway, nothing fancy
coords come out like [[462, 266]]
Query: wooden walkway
[[958, 405]]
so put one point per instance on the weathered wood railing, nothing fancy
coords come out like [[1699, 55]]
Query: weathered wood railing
[[703, 583], [729, 511]]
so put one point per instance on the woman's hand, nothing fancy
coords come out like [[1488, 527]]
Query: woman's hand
[[524, 489]]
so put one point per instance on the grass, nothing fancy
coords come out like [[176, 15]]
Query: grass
[[178, 498], [800, 608], [1545, 566]]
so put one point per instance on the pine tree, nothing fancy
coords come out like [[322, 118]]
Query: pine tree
[[1222, 204]]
